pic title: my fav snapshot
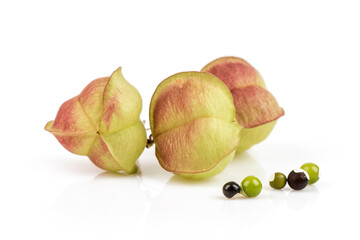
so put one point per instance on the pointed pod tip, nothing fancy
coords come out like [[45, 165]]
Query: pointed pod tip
[[116, 75], [48, 125], [117, 71]]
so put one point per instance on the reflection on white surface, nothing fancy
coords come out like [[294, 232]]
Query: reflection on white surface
[[298, 200], [107, 197], [73, 194], [277, 197], [190, 202], [154, 197]]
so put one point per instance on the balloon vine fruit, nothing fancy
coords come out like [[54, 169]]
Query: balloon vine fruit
[[256, 108], [103, 123], [192, 120]]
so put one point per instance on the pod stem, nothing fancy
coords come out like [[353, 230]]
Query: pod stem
[[150, 141]]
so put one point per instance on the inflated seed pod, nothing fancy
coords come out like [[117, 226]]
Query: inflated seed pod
[[257, 110], [103, 123], [192, 120]]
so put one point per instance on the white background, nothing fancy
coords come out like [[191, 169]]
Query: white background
[[307, 52]]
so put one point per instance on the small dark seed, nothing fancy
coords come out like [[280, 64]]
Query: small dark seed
[[298, 179], [230, 189]]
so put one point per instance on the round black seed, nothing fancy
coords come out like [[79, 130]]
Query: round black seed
[[230, 189], [298, 179]]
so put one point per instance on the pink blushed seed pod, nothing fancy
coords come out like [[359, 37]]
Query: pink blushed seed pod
[[103, 123], [192, 119]]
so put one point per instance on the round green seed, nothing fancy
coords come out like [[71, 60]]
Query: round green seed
[[277, 180], [251, 186], [313, 170]]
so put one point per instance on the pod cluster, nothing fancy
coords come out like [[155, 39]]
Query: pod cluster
[[297, 179], [198, 119]]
